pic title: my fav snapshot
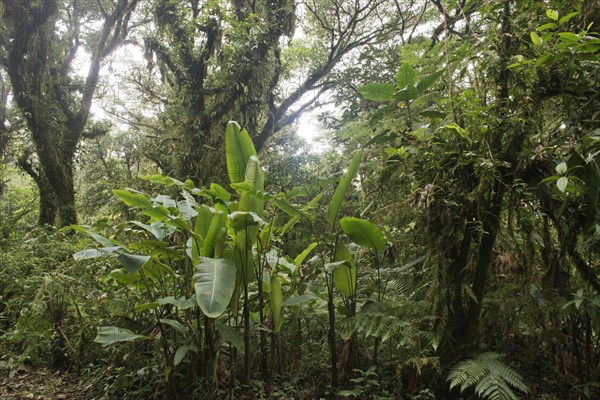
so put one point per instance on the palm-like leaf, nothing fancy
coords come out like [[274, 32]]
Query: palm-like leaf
[[364, 233], [214, 284], [239, 149]]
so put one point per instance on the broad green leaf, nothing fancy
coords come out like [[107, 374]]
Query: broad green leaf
[[311, 204], [568, 37], [244, 264], [178, 326], [342, 253], [232, 335], [250, 201], [220, 192], [567, 17], [276, 303], [276, 260], [550, 25], [289, 225], [406, 94], [113, 334], [364, 233], [165, 200], [241, 220], [254, 174], [286, 207], [182, 352], [158, 213], [214, 283], [123, 277], [300, 257], [459, 131], [242, 187], [344, 279], [377, 91], [156, 228], [535, 39], [239, 149], [179, 223], [433, 114], [98, 238], [562, 183], [209, 245], [203, 220], [187, 206], [95, 253], [132, 262], [342, 188], [246, 235], [201, 227], [133, 199], [295, 219], [331, 266], [543, 60], [383, 112], [146, 306], [297, 300], [406, 77], [552, 14], [286, 264], [181, 302]]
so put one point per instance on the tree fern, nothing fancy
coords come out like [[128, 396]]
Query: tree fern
[[490, 377]]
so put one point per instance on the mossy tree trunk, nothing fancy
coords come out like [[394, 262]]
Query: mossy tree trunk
[[56, 106]]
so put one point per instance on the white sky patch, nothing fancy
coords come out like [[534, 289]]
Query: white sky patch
[[309, 129]]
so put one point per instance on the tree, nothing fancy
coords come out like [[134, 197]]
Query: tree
[[39, 45], [4, 89], [480, 155], [216, 63]]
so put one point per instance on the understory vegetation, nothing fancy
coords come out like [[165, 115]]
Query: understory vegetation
[[166, 232]]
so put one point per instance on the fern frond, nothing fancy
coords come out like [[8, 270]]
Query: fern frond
[[490, 377], [398, 287], [494, 388], [383, 326]]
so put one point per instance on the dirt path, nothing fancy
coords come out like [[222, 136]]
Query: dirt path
[[40, 384]]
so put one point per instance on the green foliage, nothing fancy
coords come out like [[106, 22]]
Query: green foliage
[[113, 334], [239, 150], [342, 188], [344, 279], [488, 376], [478, 179], [364, 233], [214, 283]]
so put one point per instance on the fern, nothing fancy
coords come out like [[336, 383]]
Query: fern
[[490, 377], [383, 326]]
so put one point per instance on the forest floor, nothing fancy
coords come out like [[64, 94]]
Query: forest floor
[[41, 384]]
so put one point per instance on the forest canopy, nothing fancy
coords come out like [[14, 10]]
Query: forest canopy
[[167, 231]]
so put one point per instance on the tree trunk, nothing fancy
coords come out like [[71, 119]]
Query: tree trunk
[[3, 131], [48, 203], [65, 196], [59, 173]]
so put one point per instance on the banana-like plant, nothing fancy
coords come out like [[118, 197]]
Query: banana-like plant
[[212, 252]]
